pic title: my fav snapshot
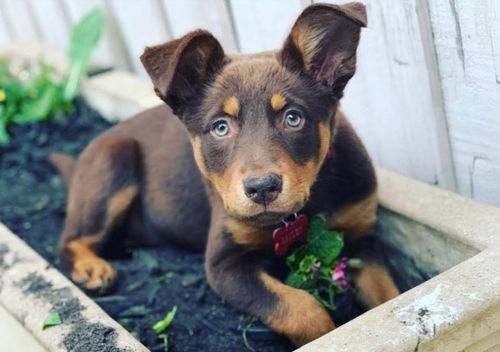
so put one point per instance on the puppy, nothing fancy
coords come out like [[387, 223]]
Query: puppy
[[248, 141]]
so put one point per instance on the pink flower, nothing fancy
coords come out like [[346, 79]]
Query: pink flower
[[339, 273]]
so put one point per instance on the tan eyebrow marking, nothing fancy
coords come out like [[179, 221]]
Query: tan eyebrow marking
[[278, 102], [231, 106]]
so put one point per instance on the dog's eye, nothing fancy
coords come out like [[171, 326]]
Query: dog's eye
[[293, 119], [220, 128]]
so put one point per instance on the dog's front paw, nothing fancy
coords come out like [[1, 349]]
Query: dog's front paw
[[298, 315], [94, 274], [302, 318]]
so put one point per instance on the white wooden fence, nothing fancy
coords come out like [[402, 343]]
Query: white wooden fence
[[425, 99]]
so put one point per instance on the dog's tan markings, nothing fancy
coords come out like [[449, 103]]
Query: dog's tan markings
[[355, 220], [325, 137], [221, 181], [250, 236], [231, 106], [198, 156], [278, 102], [375, 286], [120, 202], [303, 176], [298, 315], [89, 269]]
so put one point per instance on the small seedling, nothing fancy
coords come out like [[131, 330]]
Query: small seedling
[[164, 338], [160, 326], [163, 324], [315, 266], [53, 319]]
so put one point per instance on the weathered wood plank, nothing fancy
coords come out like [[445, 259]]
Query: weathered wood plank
[[53, 25], [390, 99], [4, 30], [467, 40], [214, 15], [263, 25], [142, 23], [19, 18]]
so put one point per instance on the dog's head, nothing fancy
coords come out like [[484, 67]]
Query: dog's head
[[261, 124]]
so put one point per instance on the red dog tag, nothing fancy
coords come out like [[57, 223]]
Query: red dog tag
[[285, 236]]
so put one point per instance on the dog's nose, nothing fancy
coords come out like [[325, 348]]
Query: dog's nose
[[263, 189]]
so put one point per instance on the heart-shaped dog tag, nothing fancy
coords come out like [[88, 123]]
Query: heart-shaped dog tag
[[292, 232]]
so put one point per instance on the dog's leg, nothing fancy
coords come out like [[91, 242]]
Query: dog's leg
[[102, 190], [356, 221], [238, 276]]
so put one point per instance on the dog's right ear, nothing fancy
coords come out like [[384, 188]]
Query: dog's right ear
[[323, 42], [180, 68]]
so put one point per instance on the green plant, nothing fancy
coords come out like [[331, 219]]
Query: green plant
[[315, 266], [42, 96], [160, 326], [84, 39]]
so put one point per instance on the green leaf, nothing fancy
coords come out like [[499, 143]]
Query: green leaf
[[162, 325], [53, 319], [306, 264], [84, 39], [4, 135], [326, 245], [40, 108], [295, 279]]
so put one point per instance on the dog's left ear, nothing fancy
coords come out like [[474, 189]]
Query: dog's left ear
[[323, 43]]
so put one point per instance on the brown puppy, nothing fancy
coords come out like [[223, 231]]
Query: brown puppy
[[245, 149]]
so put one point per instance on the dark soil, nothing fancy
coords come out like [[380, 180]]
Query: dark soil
[[151, 281]]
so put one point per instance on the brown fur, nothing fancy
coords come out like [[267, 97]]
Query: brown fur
[[249, 236], [165, 178], [375, 285], [87, 268], [355, 220], [298, 314], [65, 165]]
